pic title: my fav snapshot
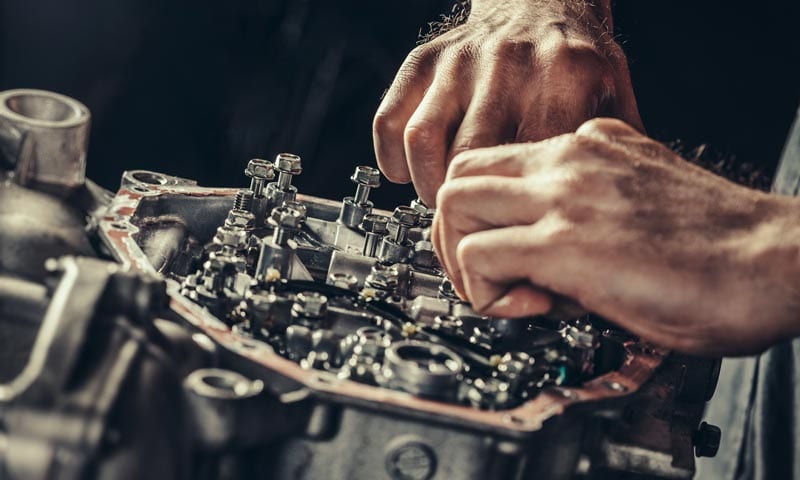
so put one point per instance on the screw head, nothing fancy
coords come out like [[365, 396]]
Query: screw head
[[406, 216], [288, 163], [295, 205], [260, 168], [310, 304], [369, 176], [231, 236], [286, 217], [239, 218], [374, 223]]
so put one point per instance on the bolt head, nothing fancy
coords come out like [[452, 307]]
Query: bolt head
[[231, 236], [310, 304], [406, 216], [260, 168], [424, 256], [240, 218], [295, 205], [383, 277], [288, 163], [419, 205], [286, 217], [374, 223], [368, 176]]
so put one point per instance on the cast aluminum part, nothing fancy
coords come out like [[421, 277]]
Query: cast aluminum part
[[45, 136], [235, 362]]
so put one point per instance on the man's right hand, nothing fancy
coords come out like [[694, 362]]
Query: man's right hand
[[516, 71]]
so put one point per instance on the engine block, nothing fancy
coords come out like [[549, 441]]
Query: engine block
[[328, 343]]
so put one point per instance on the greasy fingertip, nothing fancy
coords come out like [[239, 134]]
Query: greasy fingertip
[[521, 300]]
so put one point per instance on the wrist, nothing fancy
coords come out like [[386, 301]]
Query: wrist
[[773, 253]]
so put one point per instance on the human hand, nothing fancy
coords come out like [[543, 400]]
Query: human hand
[[516, 71], [621, 224]]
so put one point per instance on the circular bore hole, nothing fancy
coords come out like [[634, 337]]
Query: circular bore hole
[[42, 107], [221, 382], [141, 189], [150, 178], [119, 226]]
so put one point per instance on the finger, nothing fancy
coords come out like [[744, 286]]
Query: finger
[[429, 132], [513, 160], [497, 273], [609, 129], [490, 119], [473, 204], [399, 103]]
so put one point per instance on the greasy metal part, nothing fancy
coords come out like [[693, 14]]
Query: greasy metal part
[[356, 207], [422, 368], [244, 200], [44, 138], [288, 165], [260, 172], [220, 403], [396, 247], [278, 253], [374, 226], [345, 376]]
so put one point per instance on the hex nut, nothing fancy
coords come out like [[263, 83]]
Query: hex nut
[[375, 223], [288, 163], [369, 176], [260, 168]]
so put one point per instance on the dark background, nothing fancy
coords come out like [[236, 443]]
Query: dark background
[[196, 88]]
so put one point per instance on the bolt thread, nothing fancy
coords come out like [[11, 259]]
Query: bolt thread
[[243, 200]]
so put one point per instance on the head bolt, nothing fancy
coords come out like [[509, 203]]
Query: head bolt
[[365, 178], [260, 171], [285, 221], [240, 219], [403, 219], [375, 228], [287, 165]]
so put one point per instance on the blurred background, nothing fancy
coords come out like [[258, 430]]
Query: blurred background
[[196, 88]]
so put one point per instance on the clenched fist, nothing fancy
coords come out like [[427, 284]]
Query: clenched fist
[[618, 222], [516, 71]]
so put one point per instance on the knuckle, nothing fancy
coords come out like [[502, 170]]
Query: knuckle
[[421, 57], [422, 135], [468, 252], [581, 62], [387, 124], [513, 51], [465, 53], [446, 199], [606, 127], [461, 163]]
